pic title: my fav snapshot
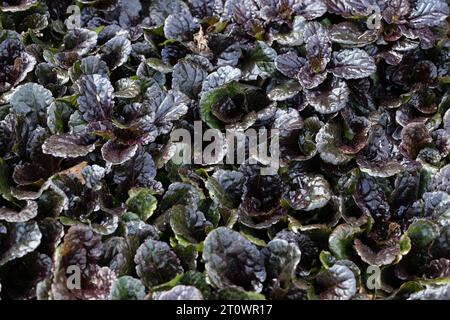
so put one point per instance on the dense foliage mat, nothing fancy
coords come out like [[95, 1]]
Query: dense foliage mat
[[93, 206]]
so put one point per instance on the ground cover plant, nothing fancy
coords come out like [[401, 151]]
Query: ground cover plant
[[93, 205]]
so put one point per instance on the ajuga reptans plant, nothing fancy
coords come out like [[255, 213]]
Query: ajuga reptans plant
[[92, 90]]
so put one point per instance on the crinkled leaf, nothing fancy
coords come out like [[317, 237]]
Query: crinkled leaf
[[432, 292], [281, 259], [117, 153], [284, 91], [377, 258], [415, 136], [156, 263], [67, 145], [127, 288], [116, 51], [142, 202], [352, 64], [258, 62], [31, 100], [22, 238], [350, 33], [188, 77], [371, 198], [96, 97], [221, 76], [230, 259], [21, 215], [188, 223], [422, 233], [330, 97], [289, 64], [180, 26], [336, 283], [161, 9], [428, 13], [308, 192], [327, 145]]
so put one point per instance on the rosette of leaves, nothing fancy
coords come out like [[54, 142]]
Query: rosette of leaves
[[306, 191], [359, 96], [260, 205], [283, 10], [156, 263], [383, 245], [138, 124], [322, 72], [243, 15], [397, 27], [281, 258], [77, 43], [87, 201], [380, 157], [335, 283], [297, 136], [82, 248], [16, 63], [230, 259], [230, 104], [95, 107], [28, 120]]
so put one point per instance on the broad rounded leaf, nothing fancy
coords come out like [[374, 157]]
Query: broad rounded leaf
[[27, 213], [31, 100], [350, 33], [352, 64], [281, 259], [156, 263], [117, 153], [428, 13], [221, 76], [308, 192], [327, 145], [180, 26], [415, 136], [230, 259], [289, 64], [67, 146], [338, 283], [188, 77], [330, 97], [96, 97], [188, 223], [116, 51], [127, 288], [422, 233], [142, 202], [22, 238]]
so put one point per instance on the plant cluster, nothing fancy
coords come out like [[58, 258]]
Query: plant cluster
[[90, 91]]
